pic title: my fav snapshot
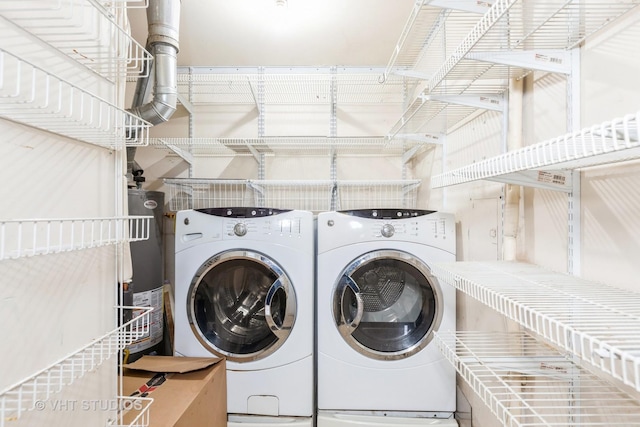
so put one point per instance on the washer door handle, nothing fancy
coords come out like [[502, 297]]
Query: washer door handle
[[281, 321], [349, 324]]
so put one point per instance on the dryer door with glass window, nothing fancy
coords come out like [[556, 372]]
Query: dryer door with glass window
[[386, 304], [241, 305]]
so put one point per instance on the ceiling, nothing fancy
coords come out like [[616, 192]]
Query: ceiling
[[305, 33]]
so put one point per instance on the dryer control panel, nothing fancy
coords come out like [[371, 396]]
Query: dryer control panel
[[385, 226], [436, 227]]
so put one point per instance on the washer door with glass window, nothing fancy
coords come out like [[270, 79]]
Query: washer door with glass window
[[241, 305], [386, 304]]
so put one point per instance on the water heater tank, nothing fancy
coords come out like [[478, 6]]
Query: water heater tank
[[147, 259]]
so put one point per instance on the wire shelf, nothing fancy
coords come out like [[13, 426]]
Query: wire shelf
[[422, 43], [510, 40], [307, 146], [313, 195], [288, 86], [29, 237], [377, 194], [512, 25], [190, 193], [41, 386], [609, 142], [597, 323], [35, 97], [430, 115], [135, 409], [526, 383], [90, 32]]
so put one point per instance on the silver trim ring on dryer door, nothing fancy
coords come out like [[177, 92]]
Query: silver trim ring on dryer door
[[347, 326]]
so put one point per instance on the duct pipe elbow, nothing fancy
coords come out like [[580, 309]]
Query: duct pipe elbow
[[165, 91], [163, 18]]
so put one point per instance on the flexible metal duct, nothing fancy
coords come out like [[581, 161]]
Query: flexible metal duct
[[163, 19]]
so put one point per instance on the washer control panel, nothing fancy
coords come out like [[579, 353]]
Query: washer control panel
[[243, 227], [250, 228]]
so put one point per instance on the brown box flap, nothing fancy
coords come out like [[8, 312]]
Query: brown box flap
[[172, 364]]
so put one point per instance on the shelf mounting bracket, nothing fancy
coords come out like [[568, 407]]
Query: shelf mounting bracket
[[483, 102], [547, 180], [183, 154], [553, 61]]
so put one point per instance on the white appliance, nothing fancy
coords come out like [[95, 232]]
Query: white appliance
[[377, 307], [244, 290]]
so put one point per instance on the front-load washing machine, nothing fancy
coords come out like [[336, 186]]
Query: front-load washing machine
[[244, 289], [377, 308]]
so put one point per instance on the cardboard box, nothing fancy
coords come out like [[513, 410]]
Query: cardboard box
[[186, 391]]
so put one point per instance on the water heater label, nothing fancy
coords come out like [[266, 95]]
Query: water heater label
[[150, 204], [152, 298]]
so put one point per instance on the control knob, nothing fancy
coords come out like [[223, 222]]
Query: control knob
[[387, 230], [240, 229]]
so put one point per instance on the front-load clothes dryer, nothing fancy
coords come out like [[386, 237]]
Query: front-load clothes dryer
[[245, 290], [378, 306]]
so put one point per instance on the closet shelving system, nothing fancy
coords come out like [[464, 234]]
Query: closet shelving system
[[478, 57], [93, 34], [323, 88], [590, 323]]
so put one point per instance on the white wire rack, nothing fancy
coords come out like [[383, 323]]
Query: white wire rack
[[314, 195], [422, 45], [597, 323], [307, 146], [35, 97], [91, 32], [612, 141], [377, 194], [510, 40], [192, 193], [133, 412], [41, 386], [515, 25], [288, 86], [28, 237], [527, 384]]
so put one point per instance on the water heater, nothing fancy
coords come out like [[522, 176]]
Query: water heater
[[147, 259]]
